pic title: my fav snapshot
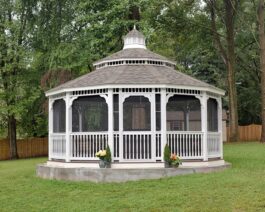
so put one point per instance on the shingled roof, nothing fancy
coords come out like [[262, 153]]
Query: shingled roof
[[134, 53], [134, 33], [133, 75]]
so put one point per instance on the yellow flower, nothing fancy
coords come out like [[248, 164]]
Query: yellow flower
[[99, 153], [103, 153]]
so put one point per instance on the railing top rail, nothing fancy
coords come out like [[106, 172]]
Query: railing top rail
[[137, 133], [184, 132], [89, 133]]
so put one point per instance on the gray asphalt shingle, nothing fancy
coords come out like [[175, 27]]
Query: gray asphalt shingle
[[133, 75]]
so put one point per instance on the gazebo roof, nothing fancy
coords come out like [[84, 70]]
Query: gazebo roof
[[134, 53], [132, 66]]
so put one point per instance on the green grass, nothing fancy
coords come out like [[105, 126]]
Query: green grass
[[241, 188]]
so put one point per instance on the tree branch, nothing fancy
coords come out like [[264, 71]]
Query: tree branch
[[211, 4]]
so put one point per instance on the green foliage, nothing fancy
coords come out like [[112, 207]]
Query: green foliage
[[167, 154], [108, 155], [49, 42]]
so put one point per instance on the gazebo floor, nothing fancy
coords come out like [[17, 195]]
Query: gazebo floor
[[122, 172]]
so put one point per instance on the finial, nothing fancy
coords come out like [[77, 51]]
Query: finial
[[134, 27]]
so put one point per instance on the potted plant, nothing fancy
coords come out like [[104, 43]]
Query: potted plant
[[171, 160], [104, 158], [175, 160], [167, 159], [108, 157], [101, 154]]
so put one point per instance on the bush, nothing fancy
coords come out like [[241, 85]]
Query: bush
[[108, 154], [167, 154]]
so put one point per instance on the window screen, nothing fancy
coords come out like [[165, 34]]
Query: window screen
[[212, 115], [158, 112], [136, 114], [59, 116], [90, 114], [116, 112], [183, 113]]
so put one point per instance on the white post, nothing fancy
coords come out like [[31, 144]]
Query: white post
[[110, 121], [204, 121], [220, 125], [120, 125], [50, 123], [163, 100], [68, 126], [153, 125]]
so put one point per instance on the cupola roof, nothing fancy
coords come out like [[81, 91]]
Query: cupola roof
[[134, 39]]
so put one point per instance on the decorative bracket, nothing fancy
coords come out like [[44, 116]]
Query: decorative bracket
[[51, 101], [125, 96]]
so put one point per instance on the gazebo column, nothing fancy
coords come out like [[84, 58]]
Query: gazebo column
[[110, 121], [153, 124], [220, 124], [163, 100], [204, 121], [50, 123], [121, 99], [68, 126]]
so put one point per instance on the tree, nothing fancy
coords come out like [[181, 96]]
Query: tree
[[15, 54], [229, 58], [262, 62]]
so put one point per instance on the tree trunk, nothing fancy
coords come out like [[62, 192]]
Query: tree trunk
[[12, 136], [230, 63], [262, 64], [228, 56]]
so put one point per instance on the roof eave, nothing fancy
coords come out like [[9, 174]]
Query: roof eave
[[65, 90], [121, 59]]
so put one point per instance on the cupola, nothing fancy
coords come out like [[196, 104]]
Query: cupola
[[134, 39]]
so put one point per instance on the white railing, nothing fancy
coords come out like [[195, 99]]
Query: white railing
[[214, 144], [83, 146], [57, 142], [134, 146], [137, 145], [187, 145]]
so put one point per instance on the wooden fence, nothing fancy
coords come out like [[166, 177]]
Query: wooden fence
[[26, 148], [248, 133]]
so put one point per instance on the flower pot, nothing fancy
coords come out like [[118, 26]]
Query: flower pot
[[108, 164], [102, 164], [167, 165], [176, 165]]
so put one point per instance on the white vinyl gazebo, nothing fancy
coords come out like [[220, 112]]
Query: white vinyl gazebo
[[135, 102]]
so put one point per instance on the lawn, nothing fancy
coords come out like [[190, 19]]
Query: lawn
[[241, 188]]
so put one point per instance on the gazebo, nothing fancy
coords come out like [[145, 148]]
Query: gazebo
[[135, 102]]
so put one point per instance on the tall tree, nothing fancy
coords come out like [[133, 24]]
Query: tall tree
[[262, 63], [228, 55], [14, 58]]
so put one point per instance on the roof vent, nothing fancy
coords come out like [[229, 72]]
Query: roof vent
[[134, 39]]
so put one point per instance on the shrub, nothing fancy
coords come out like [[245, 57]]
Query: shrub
[[167, 154], [108, 154]]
